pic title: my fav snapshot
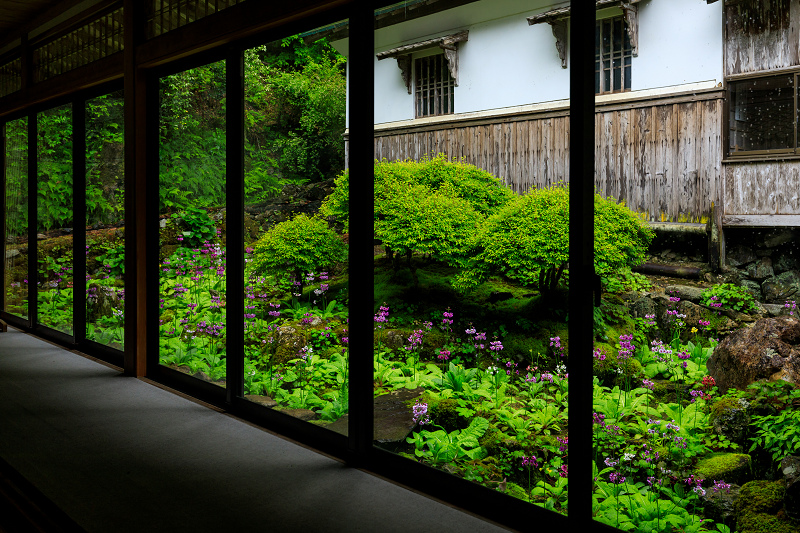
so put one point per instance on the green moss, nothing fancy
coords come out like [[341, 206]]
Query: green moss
[[722, 407], [443, 413], [760, 497], [765, 523], [730, 467]]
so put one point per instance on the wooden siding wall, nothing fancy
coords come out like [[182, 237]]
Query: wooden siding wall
[[761, 35], [662, 157], [762, 188]]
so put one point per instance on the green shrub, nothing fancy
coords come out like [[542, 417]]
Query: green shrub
[[528, 239], [730, 296], [481, 190], [337, 204], [297, 247], [415, 218]]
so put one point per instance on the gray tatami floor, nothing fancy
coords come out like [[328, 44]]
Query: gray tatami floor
[[118, 454]]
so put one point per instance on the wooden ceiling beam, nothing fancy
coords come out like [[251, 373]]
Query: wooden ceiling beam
[[235, 23]]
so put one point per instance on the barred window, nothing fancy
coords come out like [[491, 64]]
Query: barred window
[[612, 56], [434, 85]]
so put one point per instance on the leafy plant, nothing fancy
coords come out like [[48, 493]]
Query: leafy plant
[[199, 226], [442, 447], [730, 296], [777, 434]]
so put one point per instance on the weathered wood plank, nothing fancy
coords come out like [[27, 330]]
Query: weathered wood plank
[[761, 220]]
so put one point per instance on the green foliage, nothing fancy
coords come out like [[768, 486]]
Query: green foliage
[[623, 280], [777, 434], [337, 204], [481, 190], [114, 261], [198, 226], [295, 110], [297, 247], [528, 239], [442, 447], [414, 218], [730, 296], [54, 168]]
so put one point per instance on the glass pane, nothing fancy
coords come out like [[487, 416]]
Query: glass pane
[[296, 316], [16, 237], [105, 218], [761, 114], [192, 221], [55, 222], [470, 320]]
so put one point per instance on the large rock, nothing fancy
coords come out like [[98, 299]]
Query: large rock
[[790, 468], [720, 506], [686, 292], [740, 255], [768, 350], [784, 286], [731, 418], [784, 263], [729, 467], [762, 269], [753, 288]]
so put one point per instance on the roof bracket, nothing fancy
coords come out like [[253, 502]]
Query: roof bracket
[[631, 12], [448, 44], [559, 27]]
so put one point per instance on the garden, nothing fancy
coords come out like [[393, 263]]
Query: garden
[[471, 331], [471, 349]]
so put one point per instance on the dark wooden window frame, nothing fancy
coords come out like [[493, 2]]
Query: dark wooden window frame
[[623, 53], [774, 153], [141, 119], [434, 87]]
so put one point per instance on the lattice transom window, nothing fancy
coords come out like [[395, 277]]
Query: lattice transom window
[[612, 56], [433, 89]]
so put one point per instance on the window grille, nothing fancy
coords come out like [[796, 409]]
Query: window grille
[[612, 57], [10, 77], [761, 115], [434, 87], [167, 15], [99, 38]]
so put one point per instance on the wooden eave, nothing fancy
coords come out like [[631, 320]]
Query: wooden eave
[[564, 12], [424, 45]]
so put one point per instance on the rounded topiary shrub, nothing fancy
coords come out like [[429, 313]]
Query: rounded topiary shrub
[[528, 239], [484, 192], [297, 247]]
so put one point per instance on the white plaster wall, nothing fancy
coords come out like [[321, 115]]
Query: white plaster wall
[[507, 63], [680, 41], [504, 63]]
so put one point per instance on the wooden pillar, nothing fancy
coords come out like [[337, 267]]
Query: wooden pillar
[[361, 395], [135, 195], [581, 255]]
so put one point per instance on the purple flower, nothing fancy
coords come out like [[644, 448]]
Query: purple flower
[[616, 478], [626, 347], [444, 355], [496, 346], [530, 461], [721, 485], [647, 384], [420, 411]]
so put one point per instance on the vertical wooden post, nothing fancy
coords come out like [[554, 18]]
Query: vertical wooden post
[[135, 195], [361, 408], [581, 255]]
